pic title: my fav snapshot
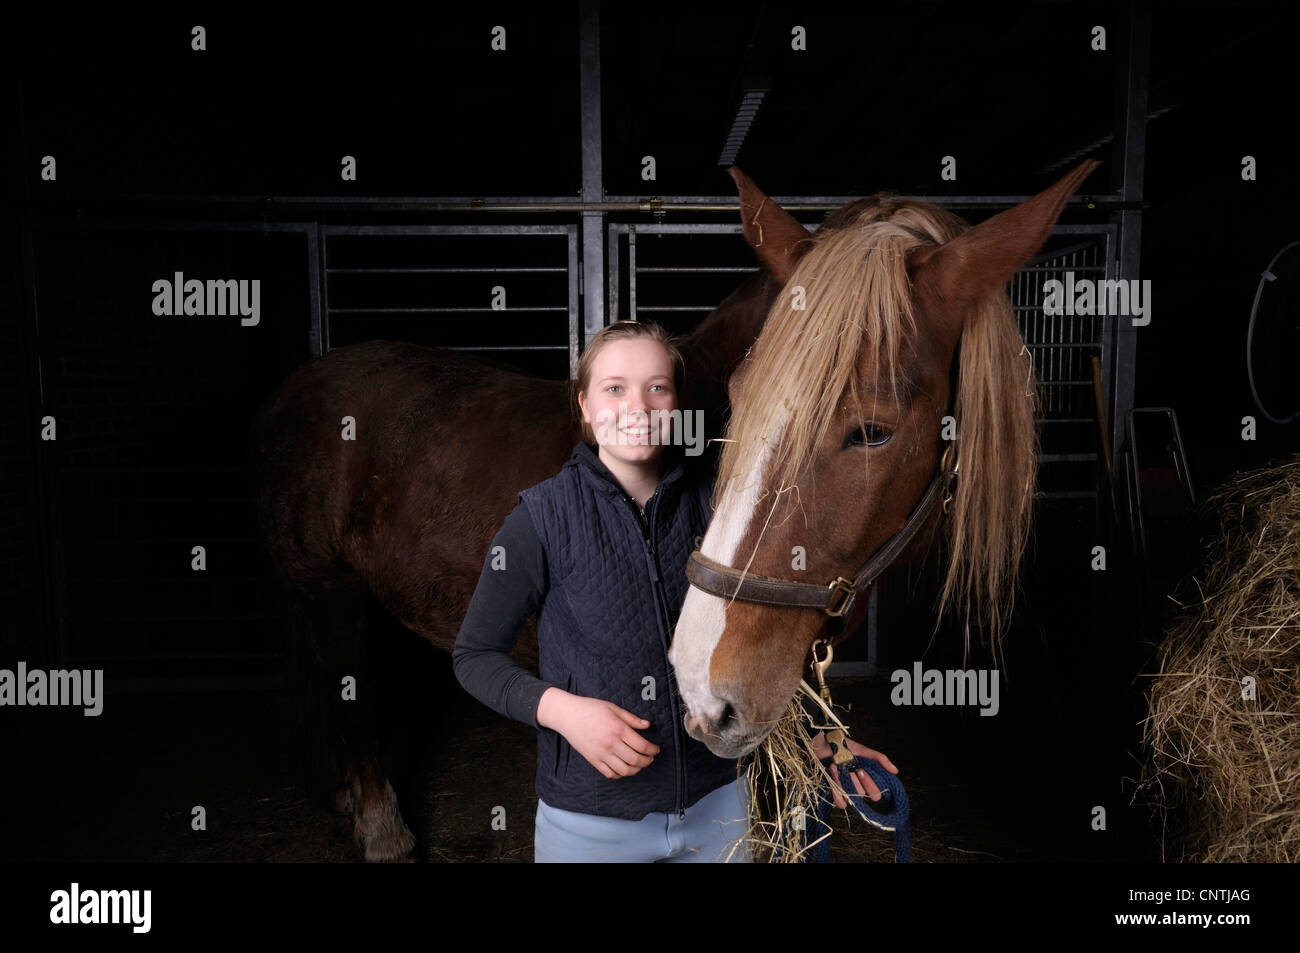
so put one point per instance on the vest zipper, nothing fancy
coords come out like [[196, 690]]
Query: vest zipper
[[661, 617]]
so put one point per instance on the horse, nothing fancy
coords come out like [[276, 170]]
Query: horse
[[889, 393], [381, 479]]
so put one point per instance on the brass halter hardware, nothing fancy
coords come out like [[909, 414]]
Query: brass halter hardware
[[836, 738], [841, 591]]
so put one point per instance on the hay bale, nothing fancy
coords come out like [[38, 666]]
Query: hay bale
[[1230, 762]]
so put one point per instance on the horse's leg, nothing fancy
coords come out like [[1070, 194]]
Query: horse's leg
[[316, 736], [342, 703]]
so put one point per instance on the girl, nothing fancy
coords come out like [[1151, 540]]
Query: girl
[[601, 548]]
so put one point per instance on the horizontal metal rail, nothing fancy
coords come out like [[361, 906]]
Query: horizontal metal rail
[[514, 270], [152, 619], [468, 310], [196, 657], [611, 203]]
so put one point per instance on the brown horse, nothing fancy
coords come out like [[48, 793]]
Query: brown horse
[[837, 429], [384, 471]]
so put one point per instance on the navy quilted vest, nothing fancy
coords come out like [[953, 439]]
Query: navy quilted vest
[[603, 630]]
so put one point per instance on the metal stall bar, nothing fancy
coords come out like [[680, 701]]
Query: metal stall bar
[[593, 183], [318, 204], [828, 203], [329, 233], [575, 295], [1119, 373], [618, 230]]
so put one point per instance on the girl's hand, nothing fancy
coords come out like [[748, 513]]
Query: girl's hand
[[861, 780], [598, 730]]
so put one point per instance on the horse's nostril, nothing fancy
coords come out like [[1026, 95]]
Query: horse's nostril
[[728, 713]]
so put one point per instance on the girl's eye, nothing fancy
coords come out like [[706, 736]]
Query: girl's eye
[[614, 387], [872, 435]]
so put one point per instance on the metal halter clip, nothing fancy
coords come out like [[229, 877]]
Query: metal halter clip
[[820, 666], [841, 593], [836, 738]]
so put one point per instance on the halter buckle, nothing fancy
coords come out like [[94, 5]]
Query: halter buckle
[[841, 594]]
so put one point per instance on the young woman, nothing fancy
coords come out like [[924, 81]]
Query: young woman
[[600, 550]]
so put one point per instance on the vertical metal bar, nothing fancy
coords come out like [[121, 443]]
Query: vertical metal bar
[[325, 291], [1033, 320], [51, 640], [1106, 327], [612, 273], [571, 237], [1130, 157], [631, 273], [593, 185], [1107, 340], [315, 340]]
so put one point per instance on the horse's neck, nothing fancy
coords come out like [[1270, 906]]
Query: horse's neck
[[712, 351]]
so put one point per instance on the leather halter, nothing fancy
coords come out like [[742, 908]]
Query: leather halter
[[838, 597]]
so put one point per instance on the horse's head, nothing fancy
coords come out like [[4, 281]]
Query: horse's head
[[837, 430]]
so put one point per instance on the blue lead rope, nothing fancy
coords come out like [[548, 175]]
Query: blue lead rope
[[890, 813]]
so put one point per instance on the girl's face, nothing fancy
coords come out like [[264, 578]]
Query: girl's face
[[631, 379]]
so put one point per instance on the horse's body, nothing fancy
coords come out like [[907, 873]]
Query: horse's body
[[405, 510]]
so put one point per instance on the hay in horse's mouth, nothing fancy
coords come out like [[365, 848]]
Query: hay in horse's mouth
[[785, 779]]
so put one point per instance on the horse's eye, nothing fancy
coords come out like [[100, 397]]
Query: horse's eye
[[872, 435]]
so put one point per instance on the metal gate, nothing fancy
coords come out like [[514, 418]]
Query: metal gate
[[431, 284]]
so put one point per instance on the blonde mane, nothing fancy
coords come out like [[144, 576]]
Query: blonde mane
[[856, 294]]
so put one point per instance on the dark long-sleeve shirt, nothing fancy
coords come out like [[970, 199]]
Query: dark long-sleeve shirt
[[501, 605]]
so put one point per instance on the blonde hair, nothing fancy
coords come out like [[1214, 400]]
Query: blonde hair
[[621, 331], [858, 294]]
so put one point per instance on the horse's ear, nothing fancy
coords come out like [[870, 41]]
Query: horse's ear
[[953, 277], [771, 231]]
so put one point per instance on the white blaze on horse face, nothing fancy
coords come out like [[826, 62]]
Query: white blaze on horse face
[[704, 616]]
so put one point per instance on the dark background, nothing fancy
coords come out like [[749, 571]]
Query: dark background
[[152, 413]]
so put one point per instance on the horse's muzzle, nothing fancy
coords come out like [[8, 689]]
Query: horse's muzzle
[[725, 737]]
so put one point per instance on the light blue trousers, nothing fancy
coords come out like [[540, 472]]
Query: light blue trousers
[[705, 835]]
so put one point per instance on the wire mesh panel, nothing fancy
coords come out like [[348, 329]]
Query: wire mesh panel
[[1063, 348], [156, 565], [507, 293]]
